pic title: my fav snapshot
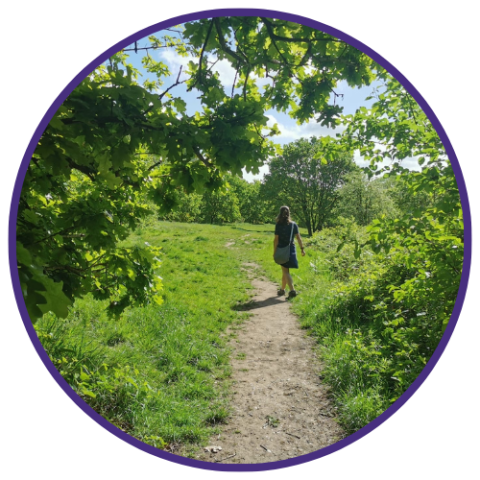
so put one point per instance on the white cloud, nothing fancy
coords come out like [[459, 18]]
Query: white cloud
[[174, 61], [227, 75], [261, 81], [293, 132], [410, 162], [226, 72], [287, 134], [309, 69], [250, 177]]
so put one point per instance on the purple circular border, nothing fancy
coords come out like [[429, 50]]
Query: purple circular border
[[282, 463]]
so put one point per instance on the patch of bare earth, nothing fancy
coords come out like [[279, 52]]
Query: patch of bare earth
[[280, 408]]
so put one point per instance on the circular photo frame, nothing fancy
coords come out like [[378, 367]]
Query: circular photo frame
[[128, 42]]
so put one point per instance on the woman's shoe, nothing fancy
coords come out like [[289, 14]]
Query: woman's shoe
[[291, 294], [280, 292]]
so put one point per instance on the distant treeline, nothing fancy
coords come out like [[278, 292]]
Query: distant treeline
[[319, 193]]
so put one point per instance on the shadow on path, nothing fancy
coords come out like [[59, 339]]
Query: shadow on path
[[252, 304]]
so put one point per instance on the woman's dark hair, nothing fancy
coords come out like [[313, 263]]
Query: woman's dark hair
[[284, 216]]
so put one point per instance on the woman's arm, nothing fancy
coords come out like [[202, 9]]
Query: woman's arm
[[299, 238], [275, 244]]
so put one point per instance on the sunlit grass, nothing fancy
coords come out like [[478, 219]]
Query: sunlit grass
[[161, 373]]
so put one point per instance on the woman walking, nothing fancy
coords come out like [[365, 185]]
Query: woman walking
[[285, 230]]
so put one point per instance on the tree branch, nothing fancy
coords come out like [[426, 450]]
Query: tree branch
[[76, 271], [305, 58], [81, 168], [273, 35], [245, 85], [225, 47], [199, 73], [177, 82], [198, 153], [149, 169], [238, 43], [234, 82], [286, 63]]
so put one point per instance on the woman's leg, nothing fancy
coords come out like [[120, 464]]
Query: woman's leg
[[287, 278], [284, 279]]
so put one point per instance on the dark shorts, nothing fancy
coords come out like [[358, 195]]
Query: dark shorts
[[293, 261]]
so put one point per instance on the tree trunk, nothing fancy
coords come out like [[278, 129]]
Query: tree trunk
[[309, 227]]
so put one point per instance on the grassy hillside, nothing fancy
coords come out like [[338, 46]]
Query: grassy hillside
[[158, 372], [161, 372]]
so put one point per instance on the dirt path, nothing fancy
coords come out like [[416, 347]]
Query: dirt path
[[280, 407]]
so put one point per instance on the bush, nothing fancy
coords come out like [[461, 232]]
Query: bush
[[379, 320]]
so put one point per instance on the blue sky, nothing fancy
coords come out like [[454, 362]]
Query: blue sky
[[290, 130]]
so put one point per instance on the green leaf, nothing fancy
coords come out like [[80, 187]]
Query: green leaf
[[111, 180], [56, 301], [56, 123], [180, 105], [88, 393], [23, 255]]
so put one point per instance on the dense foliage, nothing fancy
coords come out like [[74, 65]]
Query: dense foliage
[[106, 145], [365, 199], [381, 319]]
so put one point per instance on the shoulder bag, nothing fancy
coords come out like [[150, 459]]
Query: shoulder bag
[[282, 255]]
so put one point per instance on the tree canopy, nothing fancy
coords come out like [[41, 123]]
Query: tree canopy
[[304, 179], [115, 143], [364, 199]]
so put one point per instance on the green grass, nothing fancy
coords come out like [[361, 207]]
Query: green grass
[[159, 372]]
